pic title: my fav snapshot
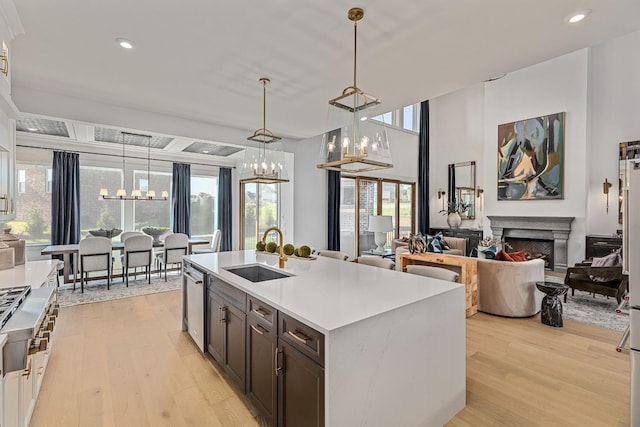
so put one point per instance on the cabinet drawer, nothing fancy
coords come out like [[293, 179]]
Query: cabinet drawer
[[232, 295], [302, 337], [261, 312]]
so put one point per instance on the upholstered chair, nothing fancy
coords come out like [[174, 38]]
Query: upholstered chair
[[434, 272], [175, 246], [376, 261], [137, 253], [125, 235], [334, 254], [94, 255], [215, 244]]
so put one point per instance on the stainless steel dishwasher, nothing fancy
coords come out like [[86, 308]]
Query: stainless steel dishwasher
[[193, 303]]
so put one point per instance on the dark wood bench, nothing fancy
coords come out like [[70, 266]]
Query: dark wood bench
[[615, 283]]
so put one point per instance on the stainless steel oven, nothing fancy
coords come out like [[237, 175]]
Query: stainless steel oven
[[193, 293]]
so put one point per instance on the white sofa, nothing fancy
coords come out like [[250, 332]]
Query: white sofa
[[509, 288]]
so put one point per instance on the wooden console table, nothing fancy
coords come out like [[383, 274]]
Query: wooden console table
[[468, 272]]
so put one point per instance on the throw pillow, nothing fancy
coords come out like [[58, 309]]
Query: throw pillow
[[503, 256], [442, 241], [518, 256], [614, 259], [434, 245]]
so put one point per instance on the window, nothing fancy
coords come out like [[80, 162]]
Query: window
[[22, 181], [260, 209], [33, 206], [204, 206], [156, 213], [49, 181], [373, 196], [405, 118], [94, 212]]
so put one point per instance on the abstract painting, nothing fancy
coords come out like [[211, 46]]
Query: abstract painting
[[530, 158]]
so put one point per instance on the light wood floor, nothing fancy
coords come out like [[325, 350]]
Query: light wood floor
[[126, 363]]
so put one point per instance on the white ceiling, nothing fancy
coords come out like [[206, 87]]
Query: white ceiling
[[202, 59]]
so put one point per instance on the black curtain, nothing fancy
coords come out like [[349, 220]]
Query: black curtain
[[225, 211], [423, 170], [65, 198], [452, 185], [333, 200], [181, 199]]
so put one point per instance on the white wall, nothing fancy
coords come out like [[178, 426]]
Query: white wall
[[455, 135], [553, 86], [614, 76]]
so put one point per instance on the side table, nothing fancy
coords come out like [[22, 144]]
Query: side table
[[551, 309]]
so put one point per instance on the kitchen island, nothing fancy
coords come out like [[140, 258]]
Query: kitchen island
[[391, 345]]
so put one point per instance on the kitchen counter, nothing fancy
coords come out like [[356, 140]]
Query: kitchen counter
[[323, 293], [33, 273], [394, 342]]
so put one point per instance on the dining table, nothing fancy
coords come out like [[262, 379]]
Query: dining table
[[71, 250]]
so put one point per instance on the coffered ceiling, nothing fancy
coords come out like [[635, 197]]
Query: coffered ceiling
[[201, 60]]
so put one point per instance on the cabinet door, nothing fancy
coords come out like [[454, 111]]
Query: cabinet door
[[262, 385], [234, 360], [300, 389], [215, 344]]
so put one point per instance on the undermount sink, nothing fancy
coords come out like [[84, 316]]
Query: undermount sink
[[257, 273]]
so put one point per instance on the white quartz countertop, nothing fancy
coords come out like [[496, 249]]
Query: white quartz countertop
[[33, 273], [325, 293]]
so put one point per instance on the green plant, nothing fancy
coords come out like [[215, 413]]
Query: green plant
[[260, 246], [36, 224], [288, 249], [304, 251], [271, 247], [455, 207]]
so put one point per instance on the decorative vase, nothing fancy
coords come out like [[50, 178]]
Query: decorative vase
[[155, 232], [454, 220]]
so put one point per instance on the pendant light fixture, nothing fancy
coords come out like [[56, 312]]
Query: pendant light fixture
[[263, 156], [362, 143], [136, 194]]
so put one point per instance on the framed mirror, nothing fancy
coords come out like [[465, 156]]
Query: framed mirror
[[462, 187], [628, 151]]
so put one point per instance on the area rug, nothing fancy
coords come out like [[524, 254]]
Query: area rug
[[595, 310], [96, 291]]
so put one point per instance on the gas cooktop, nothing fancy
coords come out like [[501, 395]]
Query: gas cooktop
[[10, 300]]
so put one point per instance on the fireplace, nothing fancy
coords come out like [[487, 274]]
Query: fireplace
[[535, 248], [554, 230]]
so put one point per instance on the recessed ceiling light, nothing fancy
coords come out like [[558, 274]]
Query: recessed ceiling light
[[205, 151], [579, 16], [125, 44], [32, 129]]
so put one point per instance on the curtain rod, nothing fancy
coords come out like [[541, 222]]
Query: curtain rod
[[126, 157]]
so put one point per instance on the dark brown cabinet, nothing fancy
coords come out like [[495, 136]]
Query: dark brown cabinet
[[300, 389], [262, 383], [285, 374], [599, 246], [226, 336], [276, 360]]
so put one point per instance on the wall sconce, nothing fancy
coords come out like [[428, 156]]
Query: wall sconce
[[441, 194], [606, 185]]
